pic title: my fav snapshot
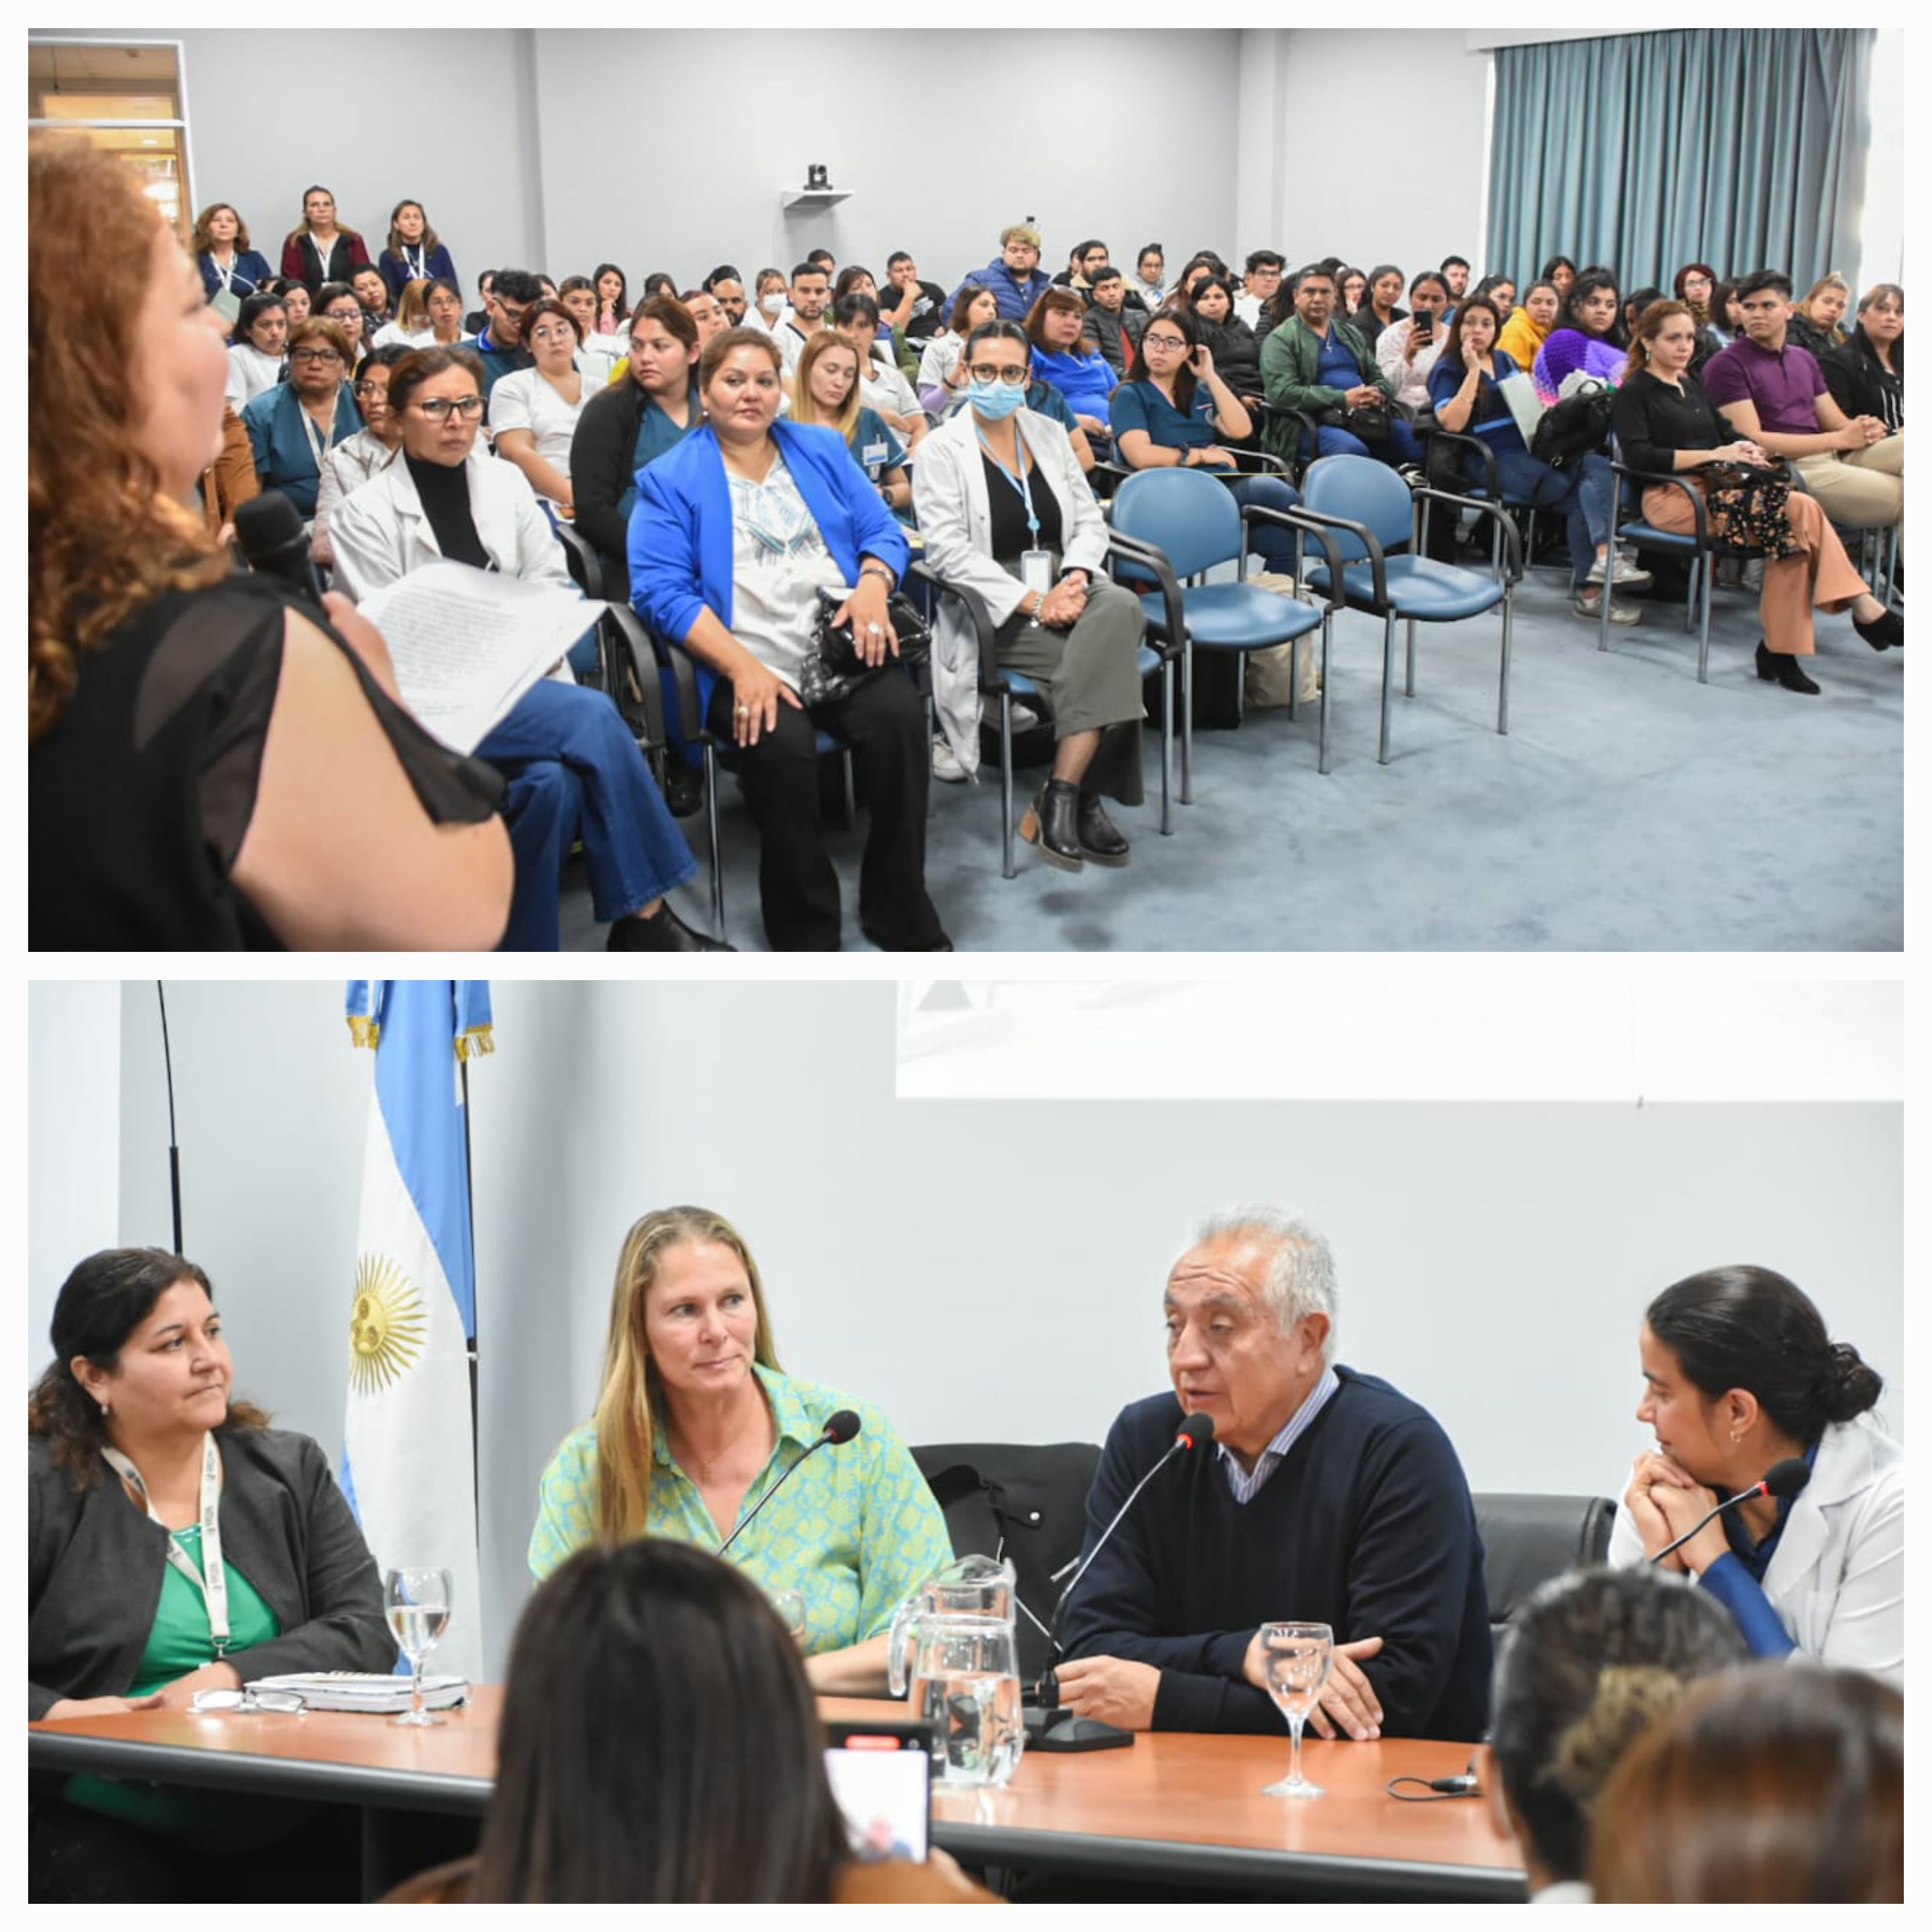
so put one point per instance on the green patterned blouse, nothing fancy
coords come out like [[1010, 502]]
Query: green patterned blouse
[[856, 1530]]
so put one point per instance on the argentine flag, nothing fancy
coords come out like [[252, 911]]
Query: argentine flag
[[408, 1461]]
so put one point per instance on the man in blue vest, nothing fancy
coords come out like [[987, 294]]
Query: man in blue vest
[[1325, 1497]]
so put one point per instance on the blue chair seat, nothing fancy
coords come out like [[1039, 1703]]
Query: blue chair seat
[[1651, 538], [1235, 617], [1019, 683], [1418, 586]]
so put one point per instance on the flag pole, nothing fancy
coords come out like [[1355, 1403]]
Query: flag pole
[[469, 1196]]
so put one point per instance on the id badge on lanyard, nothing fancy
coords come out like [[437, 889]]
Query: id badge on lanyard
[[211, 1579], [1037, 570]]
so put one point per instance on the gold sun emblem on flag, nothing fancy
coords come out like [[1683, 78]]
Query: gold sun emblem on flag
[[386, 1325]]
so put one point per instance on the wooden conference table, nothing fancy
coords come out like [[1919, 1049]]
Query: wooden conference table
[[1177, 1810]]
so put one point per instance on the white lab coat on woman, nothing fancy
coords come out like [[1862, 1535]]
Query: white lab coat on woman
[[1837, 1578], [949, 487], [379, 533]]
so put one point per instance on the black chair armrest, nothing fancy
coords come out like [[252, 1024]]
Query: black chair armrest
[[1641, 478], [984, 629], [1434, 432], [1307, 523], [1364, 536], [622, 624], [586, 565], [1151, 558], [1511, 566]]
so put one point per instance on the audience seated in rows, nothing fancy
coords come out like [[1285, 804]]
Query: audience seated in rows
[[1317, 363], [293, 427]]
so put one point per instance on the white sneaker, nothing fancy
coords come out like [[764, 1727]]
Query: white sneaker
[[1624, 571], [1024, 716], [946, 766], [1590, 607]]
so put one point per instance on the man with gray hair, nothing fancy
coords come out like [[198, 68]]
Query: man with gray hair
[[1327, 1497]]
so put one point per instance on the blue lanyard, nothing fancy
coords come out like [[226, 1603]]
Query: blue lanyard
[[1019, 482]]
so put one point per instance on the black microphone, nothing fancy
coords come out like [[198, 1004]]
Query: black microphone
[[1783, 1479], [841, 1426], [1196, 1431], [269, 529]]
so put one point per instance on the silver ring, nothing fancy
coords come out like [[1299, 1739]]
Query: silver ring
[[873, 630], [744, 710]]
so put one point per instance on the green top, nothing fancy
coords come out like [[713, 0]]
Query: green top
[[856, 1530], [179, 1642], [1290, 360]]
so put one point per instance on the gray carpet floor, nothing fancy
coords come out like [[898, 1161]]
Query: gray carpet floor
[[1629, 808]]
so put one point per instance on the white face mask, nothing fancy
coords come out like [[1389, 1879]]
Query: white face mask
[[772, 303]]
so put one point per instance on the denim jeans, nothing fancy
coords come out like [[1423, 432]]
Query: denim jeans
[[1586, 495], [1401, 446], [1273, 543], [605, 796]]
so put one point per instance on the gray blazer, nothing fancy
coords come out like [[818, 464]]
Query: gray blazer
[[95, 1565]]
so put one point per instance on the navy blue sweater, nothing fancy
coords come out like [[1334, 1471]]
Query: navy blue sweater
[[1366, 1526]]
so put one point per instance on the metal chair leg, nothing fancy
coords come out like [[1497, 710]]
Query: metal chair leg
[[1388, 681], [1187, 721], [1502, 699], [1703, 569], [1007, 868], [1327, 621], [717, 856], [1408, 679], [1701, 582], [931, 753], [1603, 607], [1167, 749]]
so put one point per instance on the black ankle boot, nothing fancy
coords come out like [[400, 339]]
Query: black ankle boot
[[1778, 667], [1886, 631], [1053, 825], [663, 932], [1100, 838]]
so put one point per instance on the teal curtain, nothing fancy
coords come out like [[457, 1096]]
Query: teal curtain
[[1742, 148]]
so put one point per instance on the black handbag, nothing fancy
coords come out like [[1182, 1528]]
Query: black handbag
[[1367, 421], [1747, 506], [832, 668]]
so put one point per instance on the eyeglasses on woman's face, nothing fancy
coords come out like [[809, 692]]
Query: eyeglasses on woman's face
[[439, 408], [316, 355], [1164, 341], [998, 372]]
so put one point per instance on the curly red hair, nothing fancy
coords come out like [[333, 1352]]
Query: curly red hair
[[102, 539]]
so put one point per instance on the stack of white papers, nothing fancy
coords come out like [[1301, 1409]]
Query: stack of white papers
[[360, 1690], [467, 644]]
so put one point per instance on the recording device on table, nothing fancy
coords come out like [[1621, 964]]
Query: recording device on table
[[1783, 1480], [881, 1775], [1049, 1727], [841, 1426]]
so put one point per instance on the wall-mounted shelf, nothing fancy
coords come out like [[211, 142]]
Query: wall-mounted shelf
[[789, 198]]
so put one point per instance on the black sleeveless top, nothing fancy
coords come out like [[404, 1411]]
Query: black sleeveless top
[[140, 795]]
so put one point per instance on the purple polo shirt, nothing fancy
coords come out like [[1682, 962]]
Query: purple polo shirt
[[1783, 384]]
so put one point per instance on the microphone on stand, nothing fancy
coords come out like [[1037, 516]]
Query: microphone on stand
[[841, 1426], [1049, 1727], [1787, 1478], [269, 529]]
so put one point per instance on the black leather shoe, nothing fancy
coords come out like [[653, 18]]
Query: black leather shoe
[[663, 932], [1052, 823], [1886, 632], [941, 944], [684, 788], [1100, 838], [1778, 667]]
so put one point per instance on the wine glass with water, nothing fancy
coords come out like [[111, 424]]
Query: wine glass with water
[[417, 1604], [1299, 1659]]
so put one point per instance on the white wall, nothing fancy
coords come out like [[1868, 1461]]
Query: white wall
[[1382, 135], [73, 1152], [668, 149], [997, 1272]]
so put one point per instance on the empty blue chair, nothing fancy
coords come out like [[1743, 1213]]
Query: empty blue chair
[[1372, 512], [1180, 523]]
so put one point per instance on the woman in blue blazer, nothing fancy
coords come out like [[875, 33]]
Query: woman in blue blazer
[[735, 533]]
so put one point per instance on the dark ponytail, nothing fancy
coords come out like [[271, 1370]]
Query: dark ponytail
[[1750, 1328]]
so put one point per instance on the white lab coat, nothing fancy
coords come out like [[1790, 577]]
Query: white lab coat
[[949, 485], [379, 533], [1837, 1578]]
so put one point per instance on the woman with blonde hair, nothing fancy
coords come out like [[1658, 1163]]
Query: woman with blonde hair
[[1817, 322], [409, 326], [696, 1423], [825, 389]]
